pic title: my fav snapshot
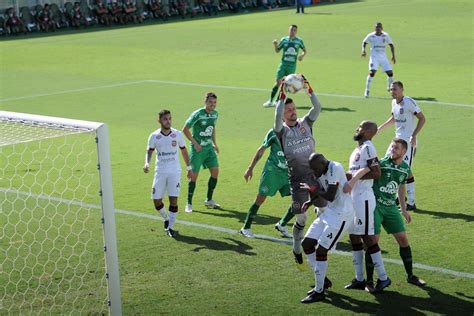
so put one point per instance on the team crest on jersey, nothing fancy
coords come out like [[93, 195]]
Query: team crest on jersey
[[158, 137], [173, 135], [303, 130], [203, 123], [173, 143]]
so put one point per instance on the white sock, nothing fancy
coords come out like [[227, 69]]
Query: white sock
[[411, 193], [378, 264], [320, 274], [164, 213], [389, 82], [172, 219], [358, 259], [369, 81], [311, 260]]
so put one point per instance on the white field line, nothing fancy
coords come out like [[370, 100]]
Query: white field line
[[212, 86], [464, 275]]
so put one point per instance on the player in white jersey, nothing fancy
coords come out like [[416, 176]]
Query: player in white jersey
[[363, 198], [333, 221], [166, 140], [378, 40], [405, 113]]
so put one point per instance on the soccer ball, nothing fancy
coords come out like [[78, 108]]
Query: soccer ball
[[294, 83]]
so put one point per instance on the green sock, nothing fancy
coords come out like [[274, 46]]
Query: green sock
[[405, 254], [369, 267], [274, 92], [288, 216], [211, 185], [251, 215], [191, 187]]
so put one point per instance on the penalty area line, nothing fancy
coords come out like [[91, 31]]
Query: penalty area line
[[464, 275]]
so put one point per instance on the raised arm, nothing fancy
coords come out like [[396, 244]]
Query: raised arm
[[313, 113], [280, 107], [356, 177]]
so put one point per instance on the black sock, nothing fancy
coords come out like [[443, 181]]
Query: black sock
[[191, 187], [211, 185], [405, 254]]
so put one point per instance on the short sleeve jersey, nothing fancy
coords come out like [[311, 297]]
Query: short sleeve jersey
[[202, 124], [276, 158], [378, 43], [167, 160], [404, 114], [290, 49], [386, 187], [363, 156], [337, 176]]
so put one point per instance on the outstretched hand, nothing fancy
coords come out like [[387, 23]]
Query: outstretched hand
[[307, 86]]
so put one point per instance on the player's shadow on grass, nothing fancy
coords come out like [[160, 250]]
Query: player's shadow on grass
[[345, 245], [340, 109], [227, 213], [212, 244], [443, 215], [391, 302], [425, 99]]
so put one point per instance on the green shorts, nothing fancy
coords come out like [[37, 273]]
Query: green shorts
[[388, 217], [285, 69], [273, 181], [207, 158]]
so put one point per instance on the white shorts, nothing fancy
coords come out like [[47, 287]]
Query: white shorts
[[409, 155], [328, 229], [375, 62], [163, 183], [364, 206]]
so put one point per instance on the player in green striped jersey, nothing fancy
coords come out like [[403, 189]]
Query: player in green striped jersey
[[395, 173], [204, 148], [290, 45], [274, 179]]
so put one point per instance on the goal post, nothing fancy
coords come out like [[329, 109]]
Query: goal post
[[57, 217]]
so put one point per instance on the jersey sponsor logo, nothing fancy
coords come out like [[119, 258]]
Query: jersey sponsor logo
[[390, 188], [158, 137], [207, 132], [173, 143], [280, 153], [170, 153], [401, 120], [298, 141]]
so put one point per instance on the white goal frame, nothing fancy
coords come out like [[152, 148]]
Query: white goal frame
[[106, 194]]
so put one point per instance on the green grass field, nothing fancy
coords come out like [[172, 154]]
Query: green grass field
[[125, 76]]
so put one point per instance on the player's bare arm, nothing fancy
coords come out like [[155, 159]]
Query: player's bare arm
[[275, 44], [148, 155], [392, 49], [303, 54], [189, 136], [356, 177], [249, 172], [390, 121], [375, 171], [184, 153], [214, 143], [363, 53], [403, 204], [421, 121]]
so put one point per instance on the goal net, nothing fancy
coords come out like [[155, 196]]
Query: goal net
[[58, 251]]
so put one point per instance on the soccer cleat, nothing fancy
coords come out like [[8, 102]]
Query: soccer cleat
[[171, 233], [369, 286], [189, 208], [411, 207], [416, 281], [327, 285], [381, 285], [211, 204], [283, 230], [166, 224], [268, 104], [247, 233], [299, 261], [366, 93], [314, 297], [356, 285]]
